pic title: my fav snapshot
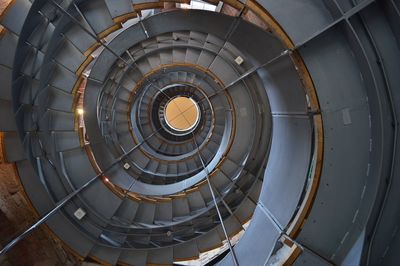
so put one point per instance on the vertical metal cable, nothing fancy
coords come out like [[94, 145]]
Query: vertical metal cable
[[235, 262]]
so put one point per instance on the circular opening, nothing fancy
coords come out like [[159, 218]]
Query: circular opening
[[182, 113]]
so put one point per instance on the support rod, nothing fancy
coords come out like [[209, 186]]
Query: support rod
[[235, 262], [64, 201]]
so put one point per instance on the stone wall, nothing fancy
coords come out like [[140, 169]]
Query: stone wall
[[16, 214]]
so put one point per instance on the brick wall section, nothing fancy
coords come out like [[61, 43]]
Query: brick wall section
[[229, 10], [253, 18], [248, 15], [15, 216]]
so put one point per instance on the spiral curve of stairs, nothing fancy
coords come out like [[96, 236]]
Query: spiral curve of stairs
[[293, 145]]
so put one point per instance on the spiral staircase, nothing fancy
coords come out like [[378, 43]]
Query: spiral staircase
[[289, 135]]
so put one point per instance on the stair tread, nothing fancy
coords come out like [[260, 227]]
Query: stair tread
[[161, 256], [119, 8], [105, 254], [134, 257], [97, 16], [6, 111], [14, 150], [19, 9], [8, 45], [186, 251]]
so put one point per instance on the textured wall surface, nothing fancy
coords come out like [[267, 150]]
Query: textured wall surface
[[16, 215]]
